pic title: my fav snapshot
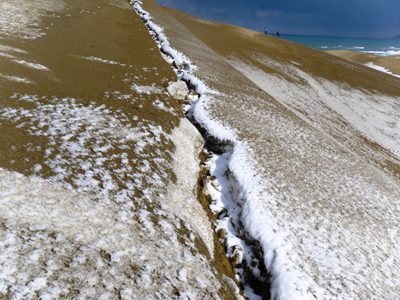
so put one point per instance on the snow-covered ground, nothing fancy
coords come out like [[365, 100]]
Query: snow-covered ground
[[98, 167], [22, 19], [310, 158]]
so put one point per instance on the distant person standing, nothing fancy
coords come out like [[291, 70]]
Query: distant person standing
[[265, 30], [278, 34]]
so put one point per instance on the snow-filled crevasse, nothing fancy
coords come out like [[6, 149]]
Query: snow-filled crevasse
[[244, 252], [256, 248]]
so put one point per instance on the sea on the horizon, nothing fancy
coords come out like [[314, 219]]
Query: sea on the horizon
[[369, 45]]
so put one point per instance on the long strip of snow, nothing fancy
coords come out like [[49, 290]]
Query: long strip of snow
[[288, 281], [382, 69]]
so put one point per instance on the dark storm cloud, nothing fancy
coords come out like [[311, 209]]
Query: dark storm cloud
[[367, 18]]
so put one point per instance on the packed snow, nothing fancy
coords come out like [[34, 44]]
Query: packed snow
[[178, 90], [182, 199]]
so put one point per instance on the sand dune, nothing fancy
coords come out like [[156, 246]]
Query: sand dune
[[107, 192], [323, 147], [88, 150]]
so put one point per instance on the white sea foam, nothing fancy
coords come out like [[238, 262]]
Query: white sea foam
[[384, 53]]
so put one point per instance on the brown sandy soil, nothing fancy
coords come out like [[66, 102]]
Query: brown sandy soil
[[392, 63], [88, 147], [324, 136]]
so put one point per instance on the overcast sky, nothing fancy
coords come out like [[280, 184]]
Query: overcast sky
[[354, 18]]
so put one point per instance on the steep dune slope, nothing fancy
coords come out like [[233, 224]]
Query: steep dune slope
[[323, 134], [89, 145]]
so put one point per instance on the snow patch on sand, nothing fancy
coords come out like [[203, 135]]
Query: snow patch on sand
[[94, 228], [146, 89], [16, 79], [57, 243], [12, 54], [12, 49], [161, 105], [21, 19], [104, 61], [382, 69], [81, 140], [31, 65]]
